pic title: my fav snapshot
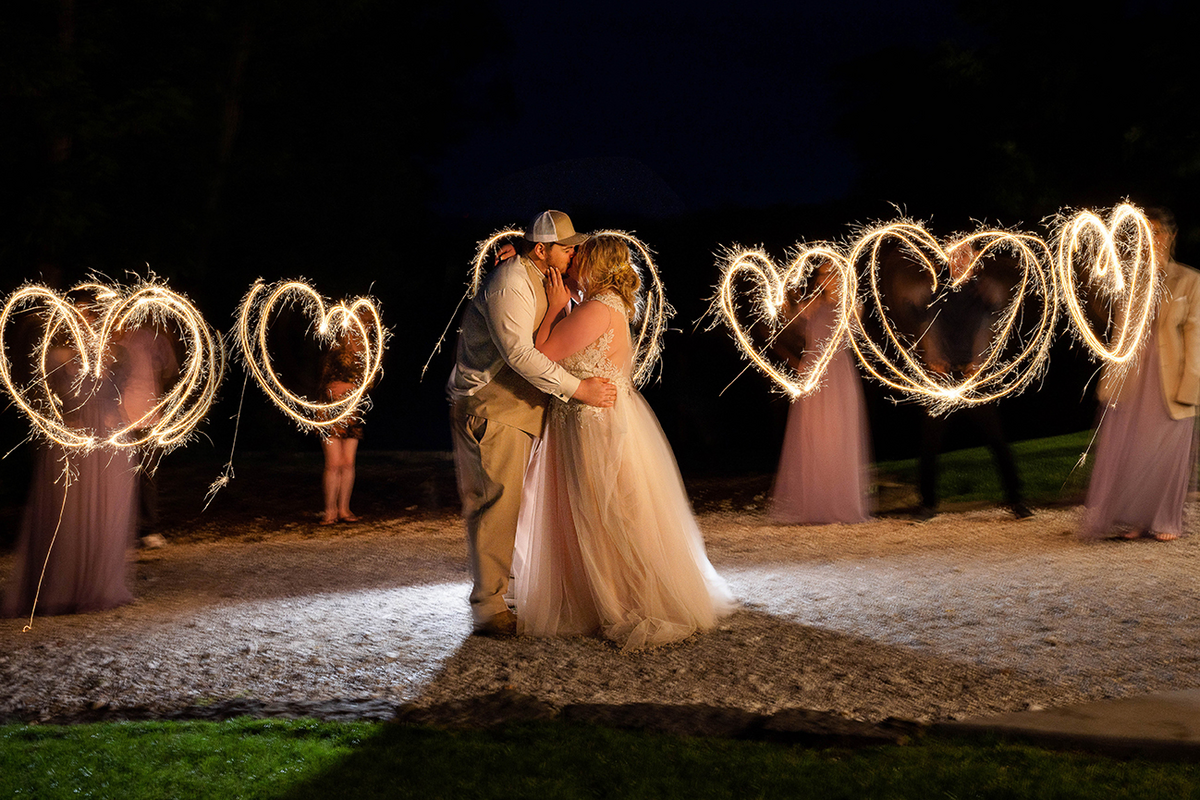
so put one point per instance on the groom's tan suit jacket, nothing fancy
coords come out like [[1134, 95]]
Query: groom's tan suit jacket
[[498, 399]]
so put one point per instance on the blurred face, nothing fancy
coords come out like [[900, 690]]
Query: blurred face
[[1163, 239]]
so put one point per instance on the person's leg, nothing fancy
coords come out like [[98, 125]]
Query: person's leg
[[331, 479], [987, 419], [489, 460], [932, 430], [349, 449]]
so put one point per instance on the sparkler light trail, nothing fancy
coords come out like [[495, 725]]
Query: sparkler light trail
[[358, 318], [1029, 316], [654, 311], [172, 417], [1115, 259], [483, 250], [771, 290], [895, 360]]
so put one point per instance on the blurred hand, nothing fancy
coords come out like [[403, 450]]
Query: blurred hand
[[504, 252]]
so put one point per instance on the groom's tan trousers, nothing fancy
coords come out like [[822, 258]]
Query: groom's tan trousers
[[490, 459]]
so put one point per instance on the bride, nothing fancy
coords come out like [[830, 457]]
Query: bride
[[606, 541]]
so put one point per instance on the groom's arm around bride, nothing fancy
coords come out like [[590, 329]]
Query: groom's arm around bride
[[498, 394]]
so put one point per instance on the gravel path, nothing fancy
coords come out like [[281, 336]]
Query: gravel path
[[968, 614]]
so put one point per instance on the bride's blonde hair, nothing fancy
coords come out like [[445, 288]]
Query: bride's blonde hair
[[609, 267]]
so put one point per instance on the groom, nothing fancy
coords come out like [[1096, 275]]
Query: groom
[[498, 394]]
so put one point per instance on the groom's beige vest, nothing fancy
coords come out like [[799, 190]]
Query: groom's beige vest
[[509, 398]]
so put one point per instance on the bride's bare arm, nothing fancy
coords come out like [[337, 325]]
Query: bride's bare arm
[[575, 331]]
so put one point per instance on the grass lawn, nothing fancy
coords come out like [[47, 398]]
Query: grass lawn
[[285, 759], [1049, 468]]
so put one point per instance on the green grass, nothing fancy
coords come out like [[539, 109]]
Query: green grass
[[296, 759], [1049, 470]]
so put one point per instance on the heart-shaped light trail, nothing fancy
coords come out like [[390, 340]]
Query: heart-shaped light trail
[[770, 289], [358, 318], [172, 417], [654, 312], [1028, 317], [168, 420], [652, 317], [1115, 258]]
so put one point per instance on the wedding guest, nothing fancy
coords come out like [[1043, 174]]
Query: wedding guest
[[342, 369], [823, 467], [1144, 446], [81, 502]]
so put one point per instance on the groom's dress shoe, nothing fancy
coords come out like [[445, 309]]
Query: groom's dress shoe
[[502, 624]]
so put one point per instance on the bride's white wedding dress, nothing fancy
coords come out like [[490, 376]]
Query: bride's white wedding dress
[[607, 542]]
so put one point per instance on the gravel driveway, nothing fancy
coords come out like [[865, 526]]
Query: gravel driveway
[[967, 614]]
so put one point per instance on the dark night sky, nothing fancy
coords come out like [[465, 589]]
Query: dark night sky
[[726, 104], [376, 144]]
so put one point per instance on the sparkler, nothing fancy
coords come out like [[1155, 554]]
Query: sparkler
[[172, 417], [358, 319], [896, 362], [655, 311], [772, 288], [1116, 258]]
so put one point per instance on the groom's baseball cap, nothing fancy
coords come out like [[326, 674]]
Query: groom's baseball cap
[[553, 226]]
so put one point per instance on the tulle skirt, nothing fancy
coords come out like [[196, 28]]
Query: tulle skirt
[[607, 542], [823, 474], [87, 569]]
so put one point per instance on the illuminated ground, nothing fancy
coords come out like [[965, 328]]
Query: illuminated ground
[[970, 613]]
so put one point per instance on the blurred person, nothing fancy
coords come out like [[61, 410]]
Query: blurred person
[[342, 370], [1144, 446], [84, 503], [823, 465]]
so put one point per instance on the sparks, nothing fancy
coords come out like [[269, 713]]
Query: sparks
[[117, 309], [358, 318], [1115, 259]]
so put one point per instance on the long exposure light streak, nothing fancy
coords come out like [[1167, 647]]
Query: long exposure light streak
[[359, 319], [896, 360], [997, 372], [171, 418], [654, 313], [771, 289], [1116, 259]]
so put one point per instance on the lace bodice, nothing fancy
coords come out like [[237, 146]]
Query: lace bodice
[[594, 361]]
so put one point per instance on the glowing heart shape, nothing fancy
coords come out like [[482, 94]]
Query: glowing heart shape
[[171, 417], [896, 359], [359, 320], [1116, 260], [774, 289]]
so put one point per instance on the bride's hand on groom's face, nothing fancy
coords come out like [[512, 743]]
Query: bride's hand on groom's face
[[557, 293]]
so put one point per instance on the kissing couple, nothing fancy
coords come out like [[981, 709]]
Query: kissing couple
[[604, 536]]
